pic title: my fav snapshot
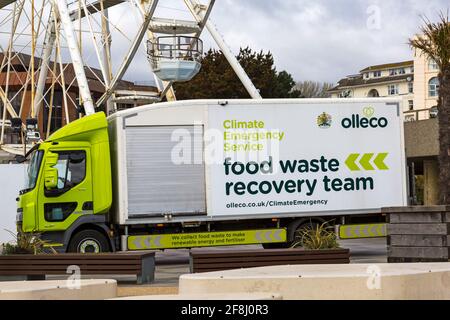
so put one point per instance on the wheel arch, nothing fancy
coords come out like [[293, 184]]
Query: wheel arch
[[97, 223]]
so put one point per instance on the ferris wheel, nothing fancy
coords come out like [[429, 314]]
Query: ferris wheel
[[43, 42]]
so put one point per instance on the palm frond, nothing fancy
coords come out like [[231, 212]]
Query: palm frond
[[434, 42]]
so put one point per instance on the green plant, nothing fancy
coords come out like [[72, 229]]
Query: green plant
[[25, 243], [318, 237]]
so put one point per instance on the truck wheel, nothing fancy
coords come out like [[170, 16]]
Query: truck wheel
[[300, 230], [89, 241]]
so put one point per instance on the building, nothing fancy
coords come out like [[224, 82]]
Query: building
[[415, 81], [54, 112], [426, 87]]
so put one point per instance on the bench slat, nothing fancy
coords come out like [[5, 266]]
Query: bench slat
[[61, 272], [69, 262], [259, 252], [64, 267], [255, 265], [76, 256], [203, 260]]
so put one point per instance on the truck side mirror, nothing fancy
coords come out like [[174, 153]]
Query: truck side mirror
[[50, 173], [20, 158]]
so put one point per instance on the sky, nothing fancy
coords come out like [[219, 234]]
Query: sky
[[319, 40], [325, 40]]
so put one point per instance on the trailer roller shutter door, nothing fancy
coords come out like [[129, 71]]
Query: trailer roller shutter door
[[157, 184]]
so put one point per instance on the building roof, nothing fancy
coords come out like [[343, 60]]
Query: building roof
[[360, 81], [389, 66], [93, 75]]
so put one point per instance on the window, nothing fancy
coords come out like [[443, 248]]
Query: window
[[373, 93], [395, 72], [346, 94], [377, 74], [393, 89], [71, 169], [432, 65], [410, 105], [410, 87], [433, 87], [33, 170], [57, 212], [15, 98], [366, 75]]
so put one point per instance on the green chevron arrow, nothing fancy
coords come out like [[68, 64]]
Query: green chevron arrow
[[379, 161], [365, 162], [350, 162]]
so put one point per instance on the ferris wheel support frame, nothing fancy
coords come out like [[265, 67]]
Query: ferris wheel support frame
[[49, 42], [106, 51], [75, 55], [3, 94]]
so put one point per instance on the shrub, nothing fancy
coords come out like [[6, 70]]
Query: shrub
[[319, 237], [25, 243]]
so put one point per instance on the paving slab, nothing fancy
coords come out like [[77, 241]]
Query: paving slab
[[58, 290], [414, 281]]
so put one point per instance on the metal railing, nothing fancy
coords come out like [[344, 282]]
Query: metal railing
[[174, 48], [420, 114]]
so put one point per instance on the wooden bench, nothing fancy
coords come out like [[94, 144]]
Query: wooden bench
[[219, 260], [36, 267]]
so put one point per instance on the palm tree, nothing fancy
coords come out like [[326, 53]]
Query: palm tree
[[434, 43]]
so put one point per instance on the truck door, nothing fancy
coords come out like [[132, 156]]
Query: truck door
[[72, 196]]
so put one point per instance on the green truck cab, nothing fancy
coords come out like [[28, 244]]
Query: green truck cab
[[68, 190]]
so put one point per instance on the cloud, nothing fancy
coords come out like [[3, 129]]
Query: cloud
[[323, 40], [320, 40]]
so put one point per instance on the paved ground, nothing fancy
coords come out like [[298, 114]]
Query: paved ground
[[170, 264]]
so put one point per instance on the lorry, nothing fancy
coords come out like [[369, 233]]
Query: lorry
[[205, 173]]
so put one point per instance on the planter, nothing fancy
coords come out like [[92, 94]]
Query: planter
[[206, 261], [418, 234]]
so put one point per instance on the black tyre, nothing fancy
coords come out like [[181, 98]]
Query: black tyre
[[89, 241]]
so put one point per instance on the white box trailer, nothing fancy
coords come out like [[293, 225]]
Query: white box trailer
[[211, 161]]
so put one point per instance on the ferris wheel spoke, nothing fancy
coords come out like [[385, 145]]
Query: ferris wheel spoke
[[130, 54]]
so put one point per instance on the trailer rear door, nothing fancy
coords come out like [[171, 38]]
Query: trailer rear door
[[164, 172]]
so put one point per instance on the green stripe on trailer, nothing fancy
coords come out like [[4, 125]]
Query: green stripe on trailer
[[359, 231], [205, 239]]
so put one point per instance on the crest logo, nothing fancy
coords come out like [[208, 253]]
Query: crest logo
[[324, 121]]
